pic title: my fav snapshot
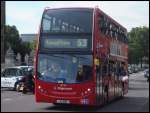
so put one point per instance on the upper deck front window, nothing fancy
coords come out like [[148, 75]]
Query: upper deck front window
[[67, 21]]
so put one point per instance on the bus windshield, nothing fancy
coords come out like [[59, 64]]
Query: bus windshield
[[62, 68]]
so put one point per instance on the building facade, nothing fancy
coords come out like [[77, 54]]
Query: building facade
[[28, 37]]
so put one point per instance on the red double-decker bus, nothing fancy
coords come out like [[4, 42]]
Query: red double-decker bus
[[81, 57]]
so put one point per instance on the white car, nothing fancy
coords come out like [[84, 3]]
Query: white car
[[26, 68], [10, 77]]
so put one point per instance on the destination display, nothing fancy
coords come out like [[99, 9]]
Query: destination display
[[65, 43]]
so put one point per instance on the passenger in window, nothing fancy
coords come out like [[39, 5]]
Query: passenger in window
[[80, 74], [87, 72]]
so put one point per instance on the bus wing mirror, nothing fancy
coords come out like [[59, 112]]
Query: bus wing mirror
[[96, 61]]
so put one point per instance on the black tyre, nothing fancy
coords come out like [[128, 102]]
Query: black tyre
[[24, 91], [15, 86]]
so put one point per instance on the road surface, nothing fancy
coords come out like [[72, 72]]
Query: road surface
[[137, 100]]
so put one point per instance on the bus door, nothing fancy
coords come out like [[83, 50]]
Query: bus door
[[116, 79], [111, 84], [102, 82], [99, 90], [105, 80], [119, 83]]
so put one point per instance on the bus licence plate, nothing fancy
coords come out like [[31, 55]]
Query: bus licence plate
[[63, 101]]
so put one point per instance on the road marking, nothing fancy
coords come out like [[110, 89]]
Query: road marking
[[135, 75], [7, 99]]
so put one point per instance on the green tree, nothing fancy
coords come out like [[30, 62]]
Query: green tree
[[33, 45], [24, 49], [12, 39], [138, 44]]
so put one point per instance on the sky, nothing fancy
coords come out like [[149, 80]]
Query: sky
[[26, 15]]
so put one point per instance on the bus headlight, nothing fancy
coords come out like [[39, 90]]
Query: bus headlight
[[42, 90], [89, 89], [39, 87], [86, 93]]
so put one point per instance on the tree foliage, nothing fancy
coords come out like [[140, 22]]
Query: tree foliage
[[138, 44], [13, 40], [33, 45]]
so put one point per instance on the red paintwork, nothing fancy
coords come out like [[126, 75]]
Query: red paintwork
[[53, 92], [50, 94], [104, 52]]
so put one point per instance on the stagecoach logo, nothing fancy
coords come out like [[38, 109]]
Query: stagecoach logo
[[62, 88]]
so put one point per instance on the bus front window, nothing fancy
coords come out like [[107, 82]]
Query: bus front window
[[67, 21], [65, 68]]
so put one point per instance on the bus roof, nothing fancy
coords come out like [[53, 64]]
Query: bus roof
[[70, 8], [88, 8], [114, 21]]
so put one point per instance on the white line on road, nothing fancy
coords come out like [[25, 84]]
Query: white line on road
[[135, 75], [7, 99]]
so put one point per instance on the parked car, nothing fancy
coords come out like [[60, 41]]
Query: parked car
[[146, 74], [134, 69], [26, 68], [10, 77], [130, 71]]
